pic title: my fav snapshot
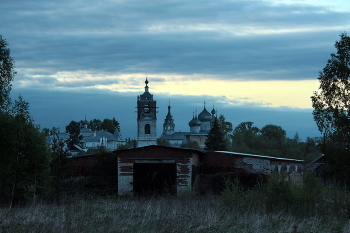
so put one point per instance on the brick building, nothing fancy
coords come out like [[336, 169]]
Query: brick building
[[157, 170]]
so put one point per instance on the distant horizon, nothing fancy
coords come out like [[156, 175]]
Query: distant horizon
[[260, 115]]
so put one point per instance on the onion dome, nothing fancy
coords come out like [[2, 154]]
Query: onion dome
[[194, 122], [204, 115]]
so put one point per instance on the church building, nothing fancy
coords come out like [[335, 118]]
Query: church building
[[147, 124], [199, 128]]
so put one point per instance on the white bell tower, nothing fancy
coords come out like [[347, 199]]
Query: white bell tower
[[146, 119]]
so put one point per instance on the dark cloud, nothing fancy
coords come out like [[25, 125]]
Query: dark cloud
[[235, 38]]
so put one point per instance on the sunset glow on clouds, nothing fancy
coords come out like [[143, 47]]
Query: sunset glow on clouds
[[295, 94], [247, 57]]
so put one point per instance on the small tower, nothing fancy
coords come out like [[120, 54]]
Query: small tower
[[205, 118], [169, 125], [146, 119]]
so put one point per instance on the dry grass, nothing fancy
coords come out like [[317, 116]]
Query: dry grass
[[164, 214]]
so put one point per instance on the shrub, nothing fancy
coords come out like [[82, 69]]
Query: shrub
[[233, 191]]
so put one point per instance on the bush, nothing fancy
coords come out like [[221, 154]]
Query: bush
[[233, 191], [310, 194], [281, 194], [277, 195]]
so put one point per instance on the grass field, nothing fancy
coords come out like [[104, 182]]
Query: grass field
[[277, 206], [163, 214]]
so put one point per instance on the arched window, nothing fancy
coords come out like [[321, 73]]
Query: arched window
[[147, 129]]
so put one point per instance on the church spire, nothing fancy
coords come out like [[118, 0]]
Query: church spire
[[169, 114], [146, 87], [168, 126]]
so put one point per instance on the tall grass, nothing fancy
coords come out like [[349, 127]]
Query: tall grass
[[164, 214], [278, 206]]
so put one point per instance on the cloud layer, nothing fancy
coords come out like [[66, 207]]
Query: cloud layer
[[76, 50]]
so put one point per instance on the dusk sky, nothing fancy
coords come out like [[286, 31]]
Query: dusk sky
[[254, 60]]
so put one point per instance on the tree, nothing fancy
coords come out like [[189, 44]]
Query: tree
[[163, 142], [332, 102], [226, 128], [116, 124], [244, 137], [24, 156], [331, 105], [274, 133], [7, 74], [215, 139], [74, 133], [95, 124], [109, 125], [59, 158]]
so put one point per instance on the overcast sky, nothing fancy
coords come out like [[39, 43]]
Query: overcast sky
[[254, 60]]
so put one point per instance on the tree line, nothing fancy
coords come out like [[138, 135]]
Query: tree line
[[270, 140], [74, 127]]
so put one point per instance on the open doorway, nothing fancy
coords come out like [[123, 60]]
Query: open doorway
[[154, 179]]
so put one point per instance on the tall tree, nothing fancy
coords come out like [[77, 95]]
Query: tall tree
[[274, 133], [331, 105], [7, 74], [226, 128], [109, 125], [74, 133], [24, 156], [59, 159], [95, 124], [116, 123], [244, 137], [215, 139], [332, 102]]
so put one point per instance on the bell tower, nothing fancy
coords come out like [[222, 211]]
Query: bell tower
[[146, 119]]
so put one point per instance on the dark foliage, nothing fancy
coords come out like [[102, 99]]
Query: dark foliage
[[332, 109], [215, 140], [163, 142], [190, 144], [74, 133], [24, 156], [7, 74]]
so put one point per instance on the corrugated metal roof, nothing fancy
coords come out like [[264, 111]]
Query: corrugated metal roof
[[259, 156], [223, 152]]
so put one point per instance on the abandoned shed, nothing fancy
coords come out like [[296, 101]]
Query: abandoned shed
[[157, 170]]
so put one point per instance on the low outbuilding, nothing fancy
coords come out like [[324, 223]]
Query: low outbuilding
[[159, 170]]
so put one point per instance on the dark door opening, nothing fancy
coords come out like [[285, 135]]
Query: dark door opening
[[154, 179]]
